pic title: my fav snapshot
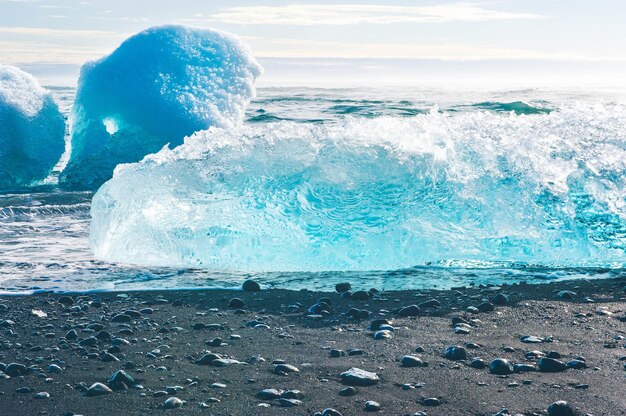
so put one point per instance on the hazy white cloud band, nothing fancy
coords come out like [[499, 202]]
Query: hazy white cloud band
[[351, 14]]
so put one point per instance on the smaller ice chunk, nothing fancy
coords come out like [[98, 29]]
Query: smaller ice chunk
[[32, 130], [157, 87]]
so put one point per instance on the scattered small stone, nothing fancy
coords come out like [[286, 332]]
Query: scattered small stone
[[348, 391], [372, 406], [412, 361], [560, 408], [500, 367], [97, 389], [343, 287], [551, 365], [357, 377], [360, 295], [251, 286], [455, 353], [411, 310], [236, 303], [431, 401], [173, 403]]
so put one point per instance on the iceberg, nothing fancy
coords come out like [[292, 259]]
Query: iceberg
[[376, 194], [157, 87], [32, 130]]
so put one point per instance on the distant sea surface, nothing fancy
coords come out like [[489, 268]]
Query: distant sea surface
[[44, 234]]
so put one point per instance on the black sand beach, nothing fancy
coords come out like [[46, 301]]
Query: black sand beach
[[54, 347]]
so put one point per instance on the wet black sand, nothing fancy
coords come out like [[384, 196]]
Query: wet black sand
[[157, 345]]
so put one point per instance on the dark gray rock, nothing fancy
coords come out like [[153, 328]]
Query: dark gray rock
[[551, 365], [251, 286], [560, 408], [357, 377], [455, 353], [501, 367]]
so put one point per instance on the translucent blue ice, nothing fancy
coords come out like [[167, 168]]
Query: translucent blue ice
[[157, 87], [377, 194], [31, 130]]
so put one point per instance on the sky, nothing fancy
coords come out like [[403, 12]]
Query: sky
[[584, 38]]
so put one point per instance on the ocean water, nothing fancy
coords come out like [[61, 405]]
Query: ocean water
[[44, 234]]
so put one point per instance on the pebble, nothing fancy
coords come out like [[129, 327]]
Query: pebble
[[250, 286], [269, 394], [478, 363], [42, 395], [500, 299], [431, 401], [551, 365], [343, 287], [500, 367], [330, 412], [412, 361], [348, 391], [486, 307], [98, 389], [383, 334], [357, 377], [455, 353], [285, 369], [360, 295], [289, 402], [411, 310], [173, 403], [372, 406], [560, 408]]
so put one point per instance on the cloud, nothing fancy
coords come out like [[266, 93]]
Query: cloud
[[44, 31], [352, 14], [299, 48]]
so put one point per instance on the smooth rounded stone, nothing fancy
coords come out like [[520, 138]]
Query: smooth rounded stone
[[66, 300], [108, 358], [455, 353], [224, 362], [576, 364], [478, 363], [285, 369], [357, 377], [320, 308], [377, 323], [121, 380], [291, 394], [372, 406], [459, 320], [566, 295], [553, 354], [236, 303], [472, 309], [337, 353], [251, 286], [462, 330], [347, 392], [215, 342], [383, 334], [430, 304], [269, 394], [500, 367], [524, 368], [207, 359], [54, 369], [343, 287], [15, 369], [551, 365], [360, 295], [121, 318], [23, 390], [355, 351], [42, 395], [411, 361], [431, 401], [486, 307], [531, 339], [97, 389], [330, 412], [500, 299], [411, 310], [289, 402], [560, 408], [355, 313], [508, 349], [173, 403], [71, 335]]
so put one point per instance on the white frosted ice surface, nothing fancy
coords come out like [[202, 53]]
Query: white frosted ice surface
[[31, 130], [157, 87], [377, 194]]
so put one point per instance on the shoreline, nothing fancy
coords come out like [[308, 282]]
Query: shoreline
[[162, 338]]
